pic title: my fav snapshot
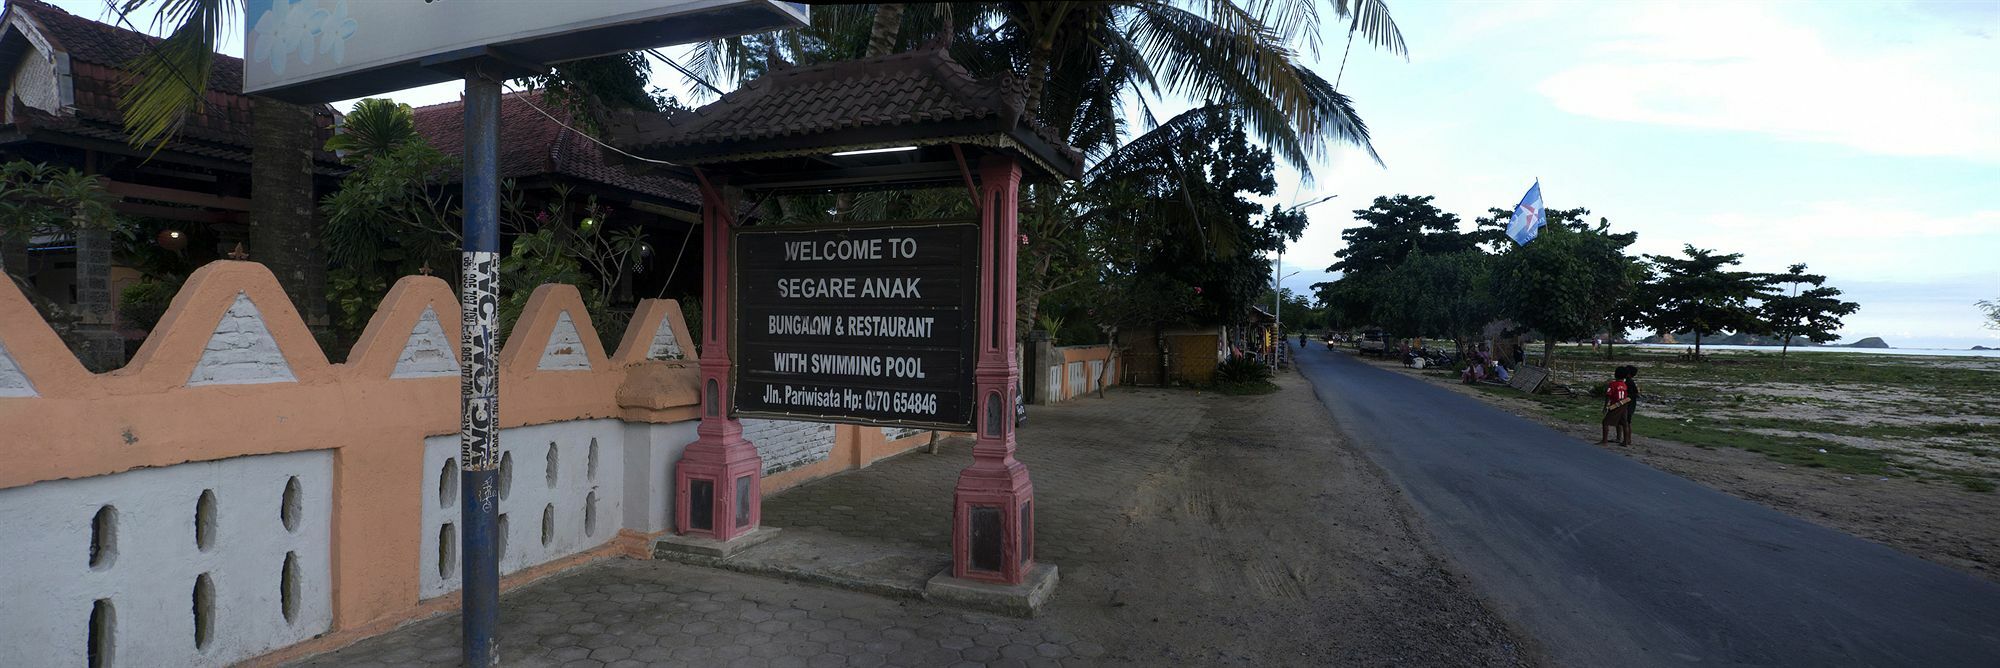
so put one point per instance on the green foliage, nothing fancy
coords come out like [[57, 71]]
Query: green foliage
[[1449, 295], [585, 87], [1396, 227], [142, 304], [170, 81], [1991, 308], [1242, 369], [1168, 223], [691, 314], [1813, 314], [354, 296], [1568, 283], [566, 243], [391, 216], [376, 127], [1083, 62], [1699, 294], [37, 200]]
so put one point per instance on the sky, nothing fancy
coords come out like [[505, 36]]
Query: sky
[[1860, 138]]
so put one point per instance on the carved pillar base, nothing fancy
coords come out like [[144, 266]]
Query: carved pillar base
[[993, 523], [718, 489]]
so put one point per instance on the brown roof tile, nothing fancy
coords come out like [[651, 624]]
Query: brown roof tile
[[99, 54], [532, 144], [903, 89]]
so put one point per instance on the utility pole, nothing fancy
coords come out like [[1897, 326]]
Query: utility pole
[[1277, 283], [479, 378]]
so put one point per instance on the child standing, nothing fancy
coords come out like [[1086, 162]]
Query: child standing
[[1617, 413], [1631, 376]]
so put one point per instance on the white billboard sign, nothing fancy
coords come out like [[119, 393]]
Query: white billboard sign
[[321, 50]]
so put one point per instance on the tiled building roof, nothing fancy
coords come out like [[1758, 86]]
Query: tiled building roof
[[532, 144], [98, 56], [916, 90]]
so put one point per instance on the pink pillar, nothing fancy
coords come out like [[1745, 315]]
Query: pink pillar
[[719, 481], [993, 525]]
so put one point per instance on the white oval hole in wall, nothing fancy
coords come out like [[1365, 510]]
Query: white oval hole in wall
[[204, 611], [447, 550], [103, 639], [104, 538], [552, 465], [204, 521], [288, 588], [448, 483], [293, 504], [593, 460], [548, 524], [500, 539], [506, 474], [590, 514]]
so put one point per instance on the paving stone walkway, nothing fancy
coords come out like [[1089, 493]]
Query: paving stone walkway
[[638, 613]]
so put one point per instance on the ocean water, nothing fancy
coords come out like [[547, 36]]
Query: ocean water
[[1934, 352]]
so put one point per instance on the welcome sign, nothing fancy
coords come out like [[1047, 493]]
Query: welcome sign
[[869, 324]]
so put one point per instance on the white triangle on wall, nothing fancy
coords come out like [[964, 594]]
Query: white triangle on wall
[[427, 353], [241, 351], [13, 381], [564, 351], [665, 346]]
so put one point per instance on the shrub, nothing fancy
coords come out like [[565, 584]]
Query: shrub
[[142, 304], [1237, 370]]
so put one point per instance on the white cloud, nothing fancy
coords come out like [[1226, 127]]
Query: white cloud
[[1923, 89]]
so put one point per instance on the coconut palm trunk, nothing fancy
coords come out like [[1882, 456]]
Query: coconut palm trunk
[[284, 223]]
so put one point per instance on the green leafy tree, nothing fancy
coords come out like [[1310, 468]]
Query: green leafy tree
[[1370, 288], [392, 213], [1567, 283], [1453, 293], [1699, 293], [1813, 314], [1082, 66], [1177, 202], [376, 127], [1991, 308], [1626, 301], [1396, 227], [38, 201]]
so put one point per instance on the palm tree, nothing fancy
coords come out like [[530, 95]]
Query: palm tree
[[170, 83], [1081, 63]]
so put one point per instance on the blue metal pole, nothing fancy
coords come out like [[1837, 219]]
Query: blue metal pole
[[479, 380]]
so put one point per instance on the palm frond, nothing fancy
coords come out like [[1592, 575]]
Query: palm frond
[[170, 81], [1249, 69], [1371, 19]]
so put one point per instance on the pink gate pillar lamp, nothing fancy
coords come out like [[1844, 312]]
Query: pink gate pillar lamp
[[718, 484], [993, 520]]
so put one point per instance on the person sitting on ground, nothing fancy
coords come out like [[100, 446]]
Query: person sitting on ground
[[1617, 416]]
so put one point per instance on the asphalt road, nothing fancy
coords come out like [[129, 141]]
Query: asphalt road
[[1606, 561]]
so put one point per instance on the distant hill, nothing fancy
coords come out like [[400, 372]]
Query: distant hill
[[1984, 348], [1687, 339], [1870, 342]]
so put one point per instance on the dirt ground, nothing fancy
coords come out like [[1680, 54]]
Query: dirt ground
[[1272, 541], [1191, 529], [1931, 519]]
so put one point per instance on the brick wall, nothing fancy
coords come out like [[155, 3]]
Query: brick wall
[[789, 444]]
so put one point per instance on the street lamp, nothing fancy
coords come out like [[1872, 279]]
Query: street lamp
[[1277, 284]]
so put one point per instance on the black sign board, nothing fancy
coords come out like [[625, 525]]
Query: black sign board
[[865, 324]]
